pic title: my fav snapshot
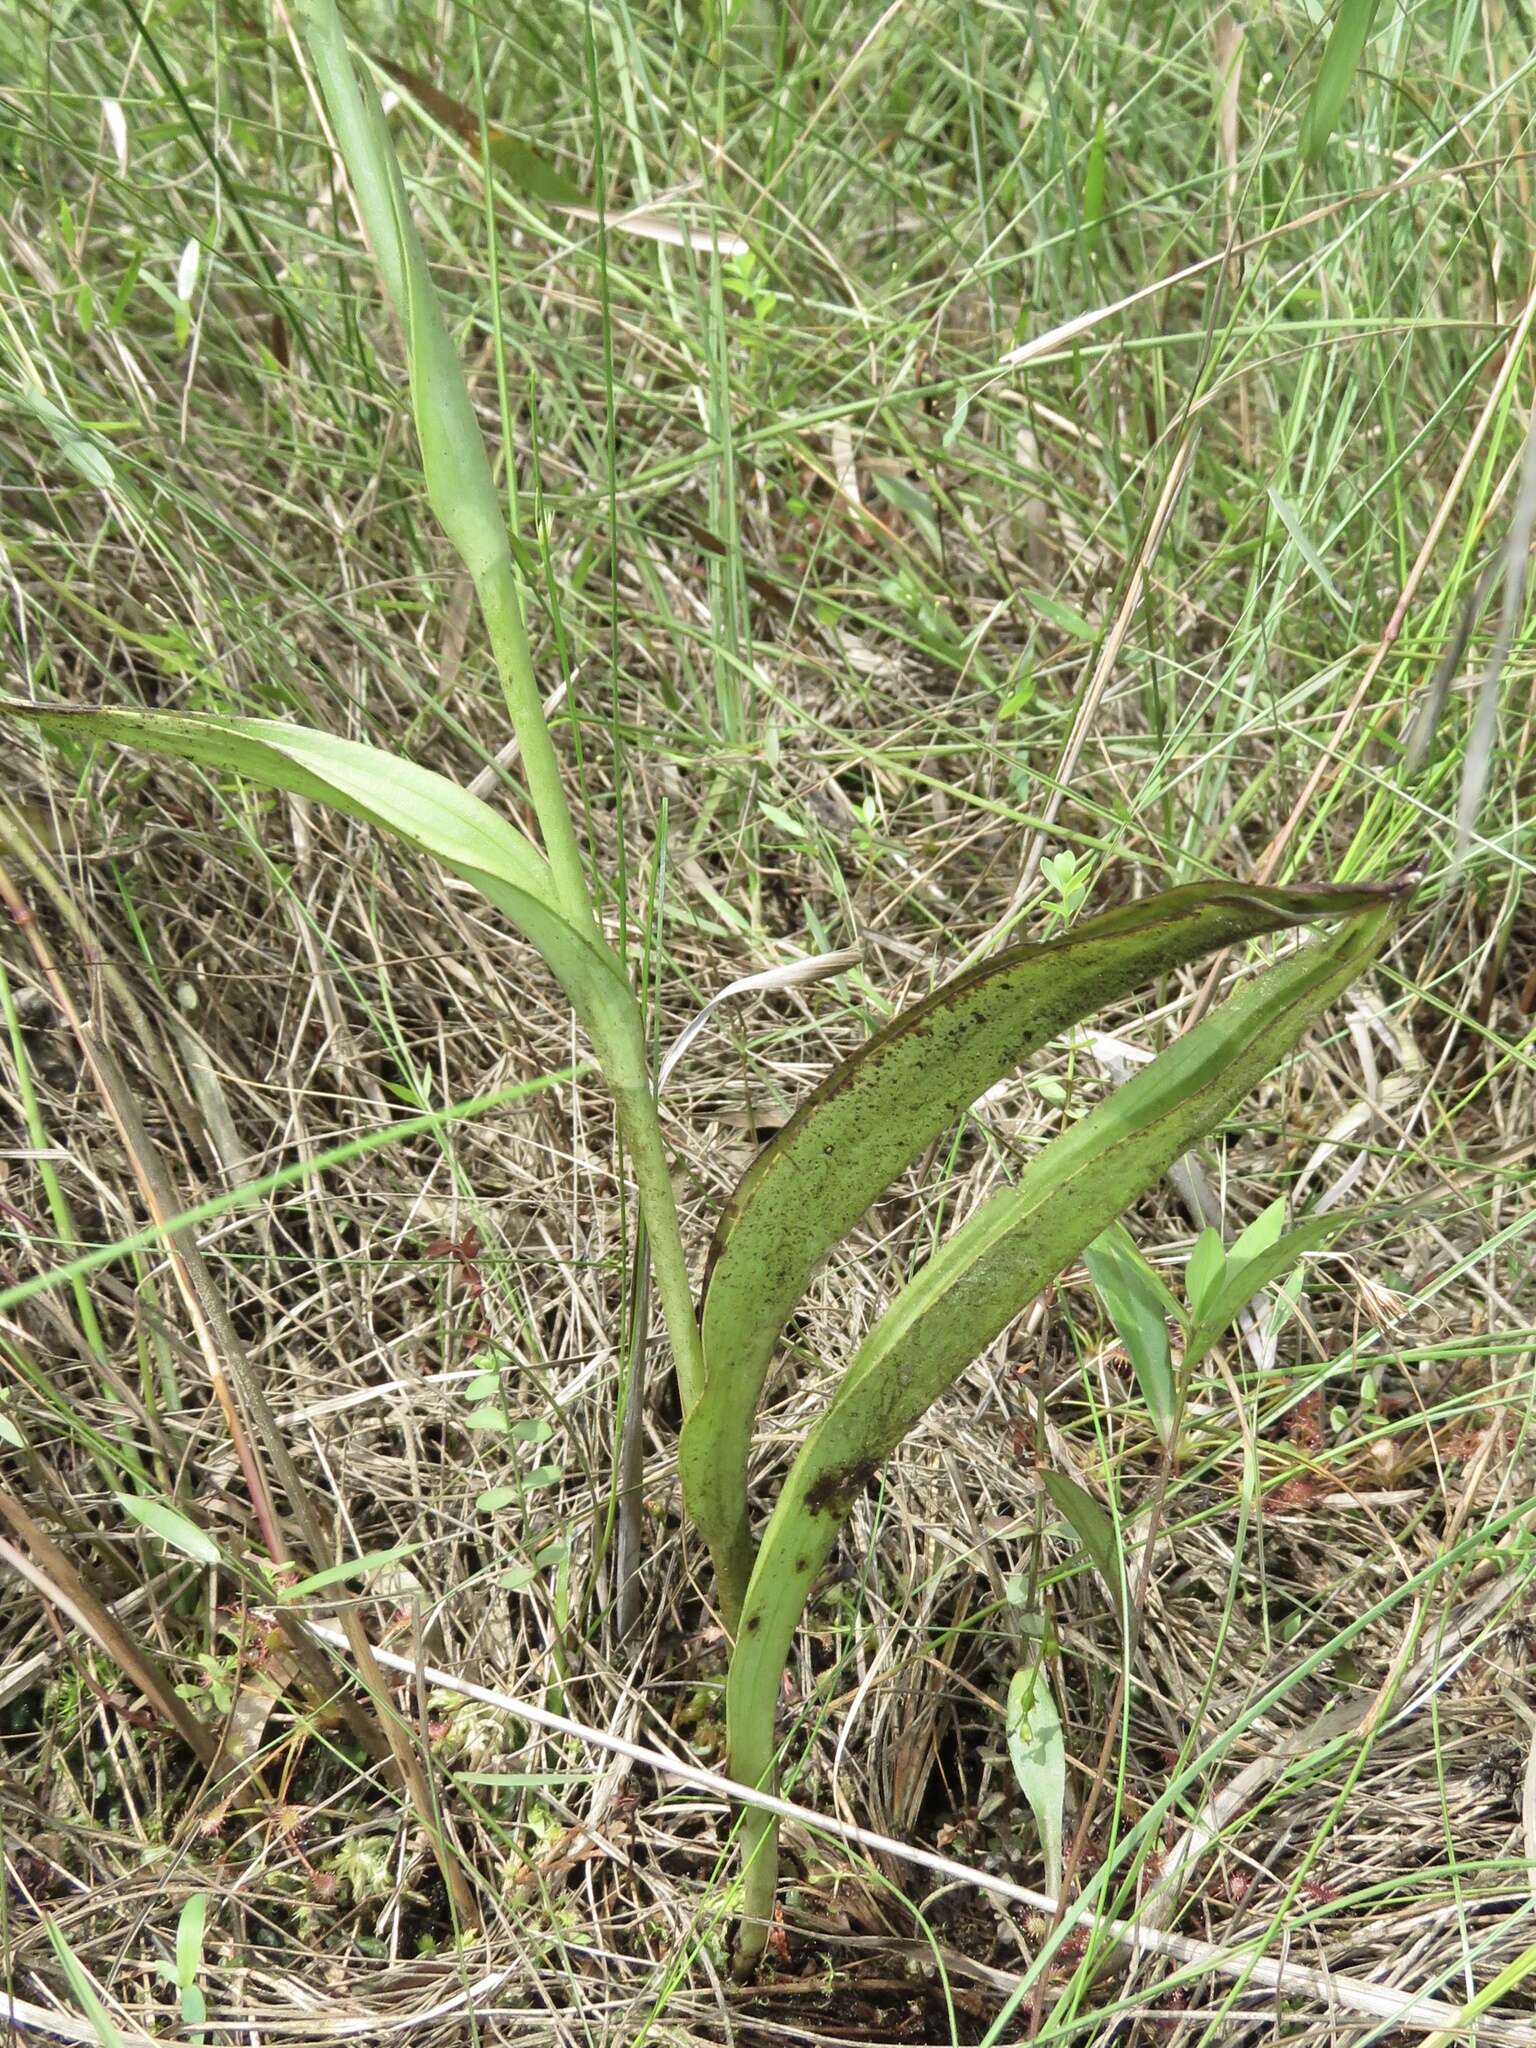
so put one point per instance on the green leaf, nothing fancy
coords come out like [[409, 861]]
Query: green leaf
[[349, 1568], [972, 1288], [189, 1941], [1259, 1235], [489, 1418], [1290, 519], [1036, 1751], [78, 447], [880, 1110], [425, 809], [1060, 615], [1207, 1263], [421, 807], [496, 1498], [102, 2024], [1138, 1305], [1242, 1282], [1095, 181], [915, 502], [476, 843], [519, 165], [1347, 39], [172, 1528], [1093, 1528]]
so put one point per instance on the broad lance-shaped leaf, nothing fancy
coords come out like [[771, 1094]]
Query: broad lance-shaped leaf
[[1139, 1307], [974, 1286], [1245, 1278], [881, 1109], [471, 841], [418, 805], [1038, 1755]]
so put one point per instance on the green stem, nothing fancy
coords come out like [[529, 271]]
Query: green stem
[[454, 461], [759, 1883], [501, 604], [669, 1263], [464, 496], [53, 1187]]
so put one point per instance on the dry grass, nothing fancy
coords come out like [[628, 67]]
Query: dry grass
[[1331, 1644]]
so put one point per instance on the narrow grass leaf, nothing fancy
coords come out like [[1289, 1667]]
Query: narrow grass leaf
[[880, 1110], [173, 1529], [1335, 79], [1036, 1751], [1482, 740], [101, 2021]]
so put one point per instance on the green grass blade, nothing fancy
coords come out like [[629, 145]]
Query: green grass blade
[[1335, 80], [880, 1110], [974, 1286]]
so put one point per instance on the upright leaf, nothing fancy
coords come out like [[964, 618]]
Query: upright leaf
[[1347, 39], [1203, 1273], [1248, 1277], [1258, 1235], [189, 1959], [880, 1110], [1035, 1749], [1093, 1529], [970, 1290], [1138, 1306], [455, 465]]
